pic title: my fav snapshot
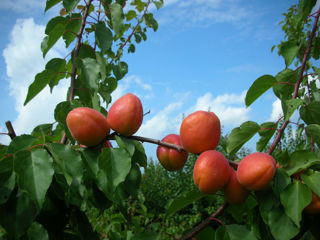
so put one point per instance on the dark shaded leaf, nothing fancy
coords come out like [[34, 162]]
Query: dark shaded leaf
[[69, 5]]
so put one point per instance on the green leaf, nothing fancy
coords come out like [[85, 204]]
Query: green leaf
[[266, 132], [310, 113], [34, 172], [17, 214], [103, 37], [150, 21], [313, 130], [68, 161], [289, 51], [239, 232], [120, 70], [158, 4], [133, 180], [146, 236], [7, 179], [114, 165], [241, 135], [285, 86], [51, 3], [260, 86], [117, 18], [205, 234], [72, 28], [54, 71], [182, 201], [312, 181], [300, 160], [131, 15], [37, 231], [22, 142], [139, 155], [290, 106], [54, 33], [281, 181], [91, 160], [303, 10], [281, 226], [82, 226], [69, 5], [90, 70], [103, 66], [126, 144], [295, 198]]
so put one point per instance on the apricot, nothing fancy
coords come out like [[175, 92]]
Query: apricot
[[256, 170], [234, 192], [171, 159], [314, 206], [88, 126], [200, 131], [211, 171], [126, 114]]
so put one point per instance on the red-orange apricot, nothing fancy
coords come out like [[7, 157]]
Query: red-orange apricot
[[211, 171], [126, 114], [88, 126], [256, 170], [234, 192], [314, 206], [171, 159], [200, 131]]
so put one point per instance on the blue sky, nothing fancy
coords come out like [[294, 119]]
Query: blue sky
[[205, 54]]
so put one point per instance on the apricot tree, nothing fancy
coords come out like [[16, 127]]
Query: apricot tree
[[48, 181]]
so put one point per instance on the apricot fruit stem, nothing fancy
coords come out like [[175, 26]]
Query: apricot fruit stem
[[11, 132]]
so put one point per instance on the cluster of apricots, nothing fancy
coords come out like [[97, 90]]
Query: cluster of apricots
[[199, 134]]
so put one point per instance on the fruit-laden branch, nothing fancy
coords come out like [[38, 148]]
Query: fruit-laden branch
[[296, 90], [158, 142], [11, 132], [75, 56], [204, 223]]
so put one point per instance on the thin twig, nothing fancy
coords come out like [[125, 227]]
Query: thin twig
[[300, 77], [11, 132]]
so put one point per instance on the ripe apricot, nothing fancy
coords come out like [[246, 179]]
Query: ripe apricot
[[126, 114], [256, 170], [211, 171], [88, 126], [171, 159], [234, 192], [200, 131], [314, 206]]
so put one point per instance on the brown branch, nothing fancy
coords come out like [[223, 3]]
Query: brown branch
[[300, 77], [11, 132], [205, 223]]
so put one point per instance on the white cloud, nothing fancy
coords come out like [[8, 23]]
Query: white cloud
[[166, 120], [22, 6], [228, 107], [276, 111], [23, 59]]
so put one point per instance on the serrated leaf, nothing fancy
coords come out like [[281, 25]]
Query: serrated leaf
[[310, 113], [241, 135], [313, 130], [17, 214], [281, 226], [290, 106], [34, 172], [266, 132], [300, 160], [72, 28], [54, 71], [312, 181], [117, 18], [289, 51], [126, 144], [22, 142], [50, 4], [114, 165], [120, 70], [103, 37], [69, 5], [182, 201], [90, 70], [260, 86], [285, 86], [239, 232], [68, 161], [295, 198]]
